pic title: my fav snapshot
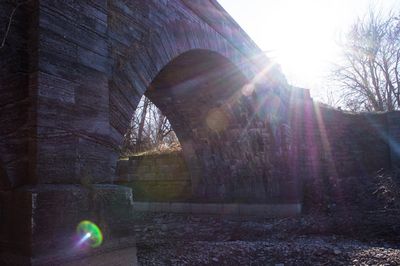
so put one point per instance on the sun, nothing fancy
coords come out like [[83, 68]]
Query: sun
[[303, 45], [298, 35], [302, 36]]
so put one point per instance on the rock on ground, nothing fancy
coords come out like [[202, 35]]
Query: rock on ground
[[166, 239]]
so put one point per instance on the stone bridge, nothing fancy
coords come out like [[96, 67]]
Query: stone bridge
[[72, 74]]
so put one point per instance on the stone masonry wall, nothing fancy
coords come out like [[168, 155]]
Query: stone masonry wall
[[332, 146], [158, 177], [74, 73], [190, 60], [16, 65], [327, 146], [393, 137]]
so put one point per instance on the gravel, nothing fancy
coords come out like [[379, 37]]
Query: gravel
[[171, 239]]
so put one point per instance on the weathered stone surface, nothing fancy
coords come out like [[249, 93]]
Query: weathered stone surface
[[72, 73], [162, 177], [332, 145], [81, 68], [39, 223], [94, 63], [14, 94]]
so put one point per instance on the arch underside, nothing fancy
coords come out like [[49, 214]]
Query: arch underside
[[198, 91], [192, 71], [228, 149], [196, 78]]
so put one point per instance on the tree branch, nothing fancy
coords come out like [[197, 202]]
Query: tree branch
[[10, 20]]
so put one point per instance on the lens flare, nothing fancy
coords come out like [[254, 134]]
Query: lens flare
[[90, 234], [84, 238], [217, 120]]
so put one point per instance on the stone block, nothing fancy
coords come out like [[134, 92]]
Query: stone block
[[121, 257], [251, 209], [210, 208], [38, 223], [159, 207], [230, 209], [180, 207], [141, 206]]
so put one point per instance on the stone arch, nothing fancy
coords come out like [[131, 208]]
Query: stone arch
[[184, 49], [136, 66], [197, 91]]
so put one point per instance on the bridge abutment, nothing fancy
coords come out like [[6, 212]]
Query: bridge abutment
[[55, 138], [72, 74], [39, 225]]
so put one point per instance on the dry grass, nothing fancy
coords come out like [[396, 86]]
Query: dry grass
[[162, 149]]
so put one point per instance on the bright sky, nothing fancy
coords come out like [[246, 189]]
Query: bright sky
[[302, 35]]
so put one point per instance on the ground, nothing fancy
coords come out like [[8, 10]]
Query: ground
[[360, 227], [313, 239]]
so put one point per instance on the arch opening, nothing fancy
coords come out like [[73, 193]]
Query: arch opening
[[149, 132]]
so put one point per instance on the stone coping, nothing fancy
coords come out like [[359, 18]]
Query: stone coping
[[236, 209]]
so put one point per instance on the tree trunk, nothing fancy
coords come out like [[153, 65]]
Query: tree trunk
[[141, 125]]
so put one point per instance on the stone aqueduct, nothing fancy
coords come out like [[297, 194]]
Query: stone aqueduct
[[72, 74]]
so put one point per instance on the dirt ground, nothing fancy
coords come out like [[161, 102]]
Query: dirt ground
[[166, 239], [358, 226]]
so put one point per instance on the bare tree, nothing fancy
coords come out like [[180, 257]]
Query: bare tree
[[330, 96], [16, 4], [149, 131], [369, 73], [142, 121]]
